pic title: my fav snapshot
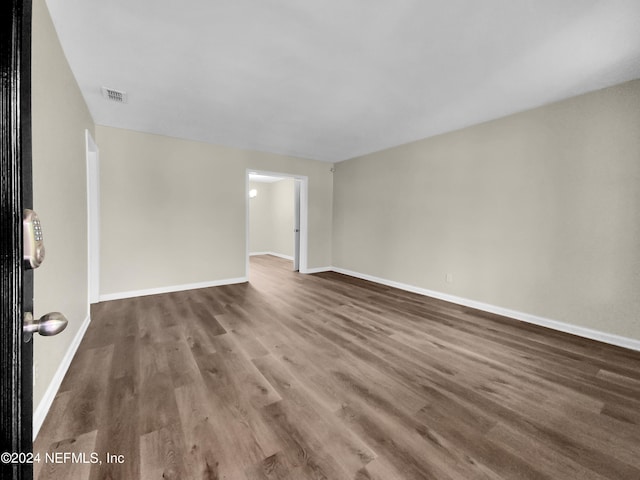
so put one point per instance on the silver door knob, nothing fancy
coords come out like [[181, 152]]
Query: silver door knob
[[50, 324]]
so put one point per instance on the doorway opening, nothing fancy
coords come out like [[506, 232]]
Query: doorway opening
[[276, 217], [93, 217]]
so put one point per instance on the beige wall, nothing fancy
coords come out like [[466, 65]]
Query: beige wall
[[60, 118], [537, 212], [260, 213], [271, 219], [173, 211]]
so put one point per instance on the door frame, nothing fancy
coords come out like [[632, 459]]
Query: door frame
[[93, 218], [16, 284], [296, 225], [304, 215]]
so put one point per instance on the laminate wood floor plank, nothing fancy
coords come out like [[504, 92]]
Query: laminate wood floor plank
[[600, 459], [236, 392], [237, 323], [203, 450], [306, 455], [312, 375], [322, 365], [501, 377], [115, 319], [547, 459], [520, 401], [315, 419], [297, 377], [248, 438], [55, 427], [535, 370], [162, 454], [205, 305], [116, 434], [158, 404], [86, 402], [569, 345], [452, 315], [183, 367], [79, 469], [358, 387], [200, 336], [629, 415], [242, 375], [405, 451]]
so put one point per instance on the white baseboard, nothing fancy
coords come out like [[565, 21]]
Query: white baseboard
[[40, 413], [281, 255], [598, 335], [174, 288], [317, 270]]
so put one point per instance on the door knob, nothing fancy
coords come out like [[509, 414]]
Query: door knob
[[50, 324]]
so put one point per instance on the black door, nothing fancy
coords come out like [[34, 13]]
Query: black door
[[16, 284]]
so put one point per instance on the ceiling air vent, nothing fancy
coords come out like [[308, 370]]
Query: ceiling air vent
[[114, 95]]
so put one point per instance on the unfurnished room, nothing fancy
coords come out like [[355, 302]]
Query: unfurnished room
[[340, 240]]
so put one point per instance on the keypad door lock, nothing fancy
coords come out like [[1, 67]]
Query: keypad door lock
[[32, 241]]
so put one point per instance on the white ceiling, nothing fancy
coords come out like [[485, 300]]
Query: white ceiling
[[334, 79]]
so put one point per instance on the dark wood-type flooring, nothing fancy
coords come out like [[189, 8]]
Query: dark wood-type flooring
[[329, 377]]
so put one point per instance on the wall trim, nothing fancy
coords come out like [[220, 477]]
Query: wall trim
[[174, 288], [281, 255], [317, 270], [40, 413], [589, 333]]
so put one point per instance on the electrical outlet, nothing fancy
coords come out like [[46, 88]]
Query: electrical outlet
[[449, 278]]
